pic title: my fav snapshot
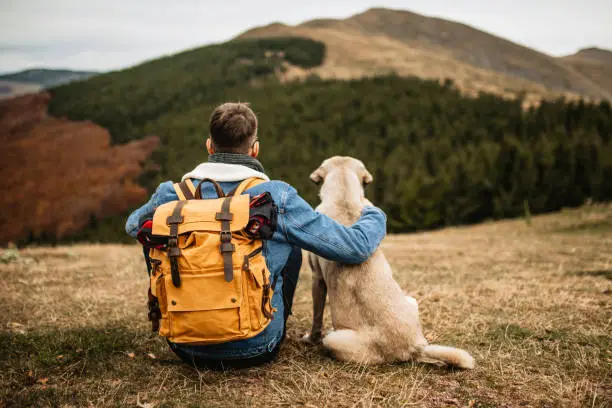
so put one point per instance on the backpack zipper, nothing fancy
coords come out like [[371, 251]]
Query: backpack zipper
[[266, 305], [155, 264], [245, 263]]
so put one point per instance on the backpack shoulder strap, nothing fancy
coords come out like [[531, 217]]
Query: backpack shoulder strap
[[190, 186], [246, 184], [185, 190]]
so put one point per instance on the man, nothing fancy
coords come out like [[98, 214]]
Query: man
[[233, 148]]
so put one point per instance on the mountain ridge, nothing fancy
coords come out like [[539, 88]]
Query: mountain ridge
[[476, 60], [34, 79]]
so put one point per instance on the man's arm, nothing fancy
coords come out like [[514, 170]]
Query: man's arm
[[304, 227], [163, 194]]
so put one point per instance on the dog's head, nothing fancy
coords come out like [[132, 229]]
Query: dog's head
[[341, 163]]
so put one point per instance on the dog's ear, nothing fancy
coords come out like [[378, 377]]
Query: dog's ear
[[366, 178], [318, 176]]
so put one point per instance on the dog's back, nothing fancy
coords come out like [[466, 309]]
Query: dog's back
[[366, 297]]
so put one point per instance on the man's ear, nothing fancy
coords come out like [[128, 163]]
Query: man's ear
[[318, 176], [255, 150], [367, 177], [209, 146]]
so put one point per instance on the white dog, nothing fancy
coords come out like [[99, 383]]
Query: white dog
[[373, 320]]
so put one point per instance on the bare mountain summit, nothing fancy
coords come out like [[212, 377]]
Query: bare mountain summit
[[383, 40], [593, 54]]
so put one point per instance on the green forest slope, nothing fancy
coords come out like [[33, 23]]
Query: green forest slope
[[438, 158]]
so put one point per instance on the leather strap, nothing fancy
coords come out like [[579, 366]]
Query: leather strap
[[218, 189], [174, 251], [186, 191], [153, 303], [178, 191], [190, 186], [227, 248], [266, 307], [154, 311]]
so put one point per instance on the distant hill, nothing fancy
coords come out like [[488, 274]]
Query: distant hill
[[32, 80], [47, 78], [383, 40], [9, 89], [594, 63], [592, 54]]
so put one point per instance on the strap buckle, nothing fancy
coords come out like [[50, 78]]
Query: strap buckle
[[227, 247], [226, 236], [174, 219]]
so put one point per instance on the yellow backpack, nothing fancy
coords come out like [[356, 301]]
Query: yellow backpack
[[211, 282]]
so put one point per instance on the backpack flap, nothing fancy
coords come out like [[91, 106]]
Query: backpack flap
[[223, 216], [200, 215]]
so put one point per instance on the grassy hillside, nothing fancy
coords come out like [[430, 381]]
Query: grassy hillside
[[438, 158], [532, 305], [131, 101]]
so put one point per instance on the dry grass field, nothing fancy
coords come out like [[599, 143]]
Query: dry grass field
[[532, 303]]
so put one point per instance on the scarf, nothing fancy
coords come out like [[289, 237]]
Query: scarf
[[234, 158], [228, 167]]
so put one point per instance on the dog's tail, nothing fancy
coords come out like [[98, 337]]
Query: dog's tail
[[443, 355]]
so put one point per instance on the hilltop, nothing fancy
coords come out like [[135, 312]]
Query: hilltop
[[594, 63], [593, 54], [383, 40]]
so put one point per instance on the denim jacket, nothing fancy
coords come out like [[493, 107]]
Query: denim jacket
[[298, 225]]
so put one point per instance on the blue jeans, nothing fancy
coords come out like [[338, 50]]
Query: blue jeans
[[290, 273]]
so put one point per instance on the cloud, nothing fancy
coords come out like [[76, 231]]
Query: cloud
[[110, 34]]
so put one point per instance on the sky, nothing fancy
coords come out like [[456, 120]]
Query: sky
[[105, 35]]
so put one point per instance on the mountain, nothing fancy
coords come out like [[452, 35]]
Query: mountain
[[383, 40], [32, 80]]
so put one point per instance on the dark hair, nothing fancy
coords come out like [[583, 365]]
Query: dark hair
[[233, 127]]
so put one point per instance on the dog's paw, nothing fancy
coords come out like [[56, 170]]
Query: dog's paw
[[311, 340]]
